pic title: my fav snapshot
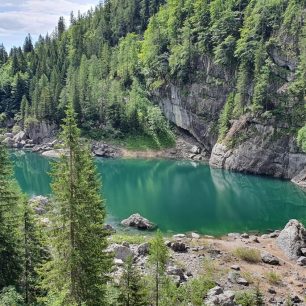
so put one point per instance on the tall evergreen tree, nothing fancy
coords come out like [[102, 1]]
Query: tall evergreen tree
[[132, 291], [10, 224], [28, 46], [159, 256], [80, 265]]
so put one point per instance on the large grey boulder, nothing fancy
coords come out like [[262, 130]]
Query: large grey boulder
[[120, 251], [292, 239], [139, 222], [20, 136], [217, 296], [269, 259]]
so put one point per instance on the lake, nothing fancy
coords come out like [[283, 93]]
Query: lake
[[180, 196]]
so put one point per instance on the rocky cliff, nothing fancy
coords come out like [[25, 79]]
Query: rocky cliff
[[259, 143]]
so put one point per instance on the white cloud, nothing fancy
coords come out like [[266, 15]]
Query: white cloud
[[35, 16]]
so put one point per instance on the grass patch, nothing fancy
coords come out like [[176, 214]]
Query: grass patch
[[130, 238], [273, 278], [245, 298], [248, 255]]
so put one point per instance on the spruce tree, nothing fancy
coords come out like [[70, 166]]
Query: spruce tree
[[159, 256], [80, 265], [10, 224], [132, 291], [35, 253]]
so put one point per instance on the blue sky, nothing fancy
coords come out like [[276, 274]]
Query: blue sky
[[20, 17]]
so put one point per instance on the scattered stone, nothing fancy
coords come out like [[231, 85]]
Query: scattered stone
[[301, 261], [109, 228], [233, 276], [235, 267], [139, 222], [242, 281], [272, 290], [126, 244], [143, 249], [118, 262], [216, 296], [303, 251], [195, 150], [233, 235], [274, 234], [269, 259], [195, 236], [245, 236], [178, 246], [177, 272], [296, 299], [255, 239], [292, 239], [179, 236]]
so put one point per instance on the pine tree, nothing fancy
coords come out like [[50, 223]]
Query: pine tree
[[24, 108], [132, 291], [10, 225], [159, 256], [35, 253], [79, 268], [28, 46]]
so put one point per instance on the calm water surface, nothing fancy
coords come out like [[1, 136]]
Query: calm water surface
[[181, 196]]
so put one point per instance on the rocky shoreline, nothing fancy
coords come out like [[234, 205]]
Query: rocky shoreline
[[238, 263]]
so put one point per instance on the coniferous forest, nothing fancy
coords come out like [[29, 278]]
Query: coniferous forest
[[100, 75]]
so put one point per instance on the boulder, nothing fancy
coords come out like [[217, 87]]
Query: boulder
[[195, 236], [235, 267], [109, 228], [242, 281], [301, 261], [179, 236], [143, 249], [217, 296], [195, 150], [139, 222], [303, 251], [120, 251], [245, 236], [292, 239], [269, 259], [20, 136], [178, 246], [8, 141]]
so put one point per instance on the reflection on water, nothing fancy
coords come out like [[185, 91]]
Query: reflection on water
[[181, 196]]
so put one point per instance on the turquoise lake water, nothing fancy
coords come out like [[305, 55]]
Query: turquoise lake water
[[180, 196]]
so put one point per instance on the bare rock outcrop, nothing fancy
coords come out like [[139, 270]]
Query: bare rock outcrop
[[292, 239]]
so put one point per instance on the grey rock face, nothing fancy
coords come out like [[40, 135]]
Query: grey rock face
[[258, 151], [40, 131], [292, 239], [120, 251], [39, 204], [139, 222]]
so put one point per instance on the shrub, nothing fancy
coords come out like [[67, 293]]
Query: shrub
[[247, 254], [273, 278], [245, 298], [10, 297]]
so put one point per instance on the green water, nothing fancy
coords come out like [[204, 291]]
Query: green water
[[181, 196]]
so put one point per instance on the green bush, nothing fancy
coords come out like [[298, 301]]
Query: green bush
[[10, 297], [247, 254]]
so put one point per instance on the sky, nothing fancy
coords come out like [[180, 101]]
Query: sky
[[20, 17]]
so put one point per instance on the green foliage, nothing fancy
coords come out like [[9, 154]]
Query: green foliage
[[248, 254], [250, 297], [132, 287], [78, 270], [273, 278], [224, 119], [302, 138], [10, 297], [159, 255], [10, 225]]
